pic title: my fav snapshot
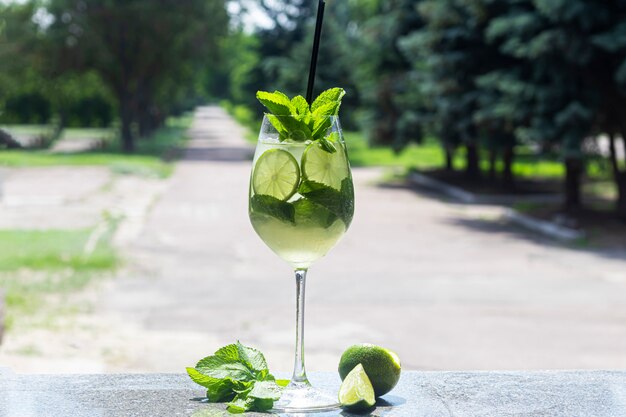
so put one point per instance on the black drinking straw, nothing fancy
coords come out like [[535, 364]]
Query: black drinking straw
[[316, 48]]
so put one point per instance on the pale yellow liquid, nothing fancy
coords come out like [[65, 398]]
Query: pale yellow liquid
[[307, 240]]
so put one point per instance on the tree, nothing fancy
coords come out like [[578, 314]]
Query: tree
[[448, 54], [146, 52], [555, 102], [605, 77], [335, 61], [380, 68], [19, 79]]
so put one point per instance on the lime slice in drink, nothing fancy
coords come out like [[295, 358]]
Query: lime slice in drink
[[356, 392], [324, 167], [276, 174]]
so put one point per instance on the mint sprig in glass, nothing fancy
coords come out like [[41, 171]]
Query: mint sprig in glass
[[301, 204]]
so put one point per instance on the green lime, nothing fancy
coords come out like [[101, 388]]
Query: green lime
[[382, 365], [356, 392], [276, 174], [324, 167]]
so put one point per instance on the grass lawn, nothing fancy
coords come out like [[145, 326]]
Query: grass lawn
[[148, 160], [429, 155], [38, 265], [426, 156]]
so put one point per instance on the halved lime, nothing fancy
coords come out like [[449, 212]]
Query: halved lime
[[356, 392], [324, 167], [276, 174], [382, 365]]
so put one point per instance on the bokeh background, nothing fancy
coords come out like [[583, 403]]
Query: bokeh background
[[487, 139]]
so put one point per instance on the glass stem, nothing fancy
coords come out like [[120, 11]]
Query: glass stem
[[299, 373]]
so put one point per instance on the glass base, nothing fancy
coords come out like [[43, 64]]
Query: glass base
[[304, 398]]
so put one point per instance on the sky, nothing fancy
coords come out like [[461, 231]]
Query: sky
[[254, 17]]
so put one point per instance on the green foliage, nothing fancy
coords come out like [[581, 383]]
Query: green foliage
[[31, 91], [382, 73], [51, 249], [295, 120], [339, 203], [150, 54], [273, 207], [237, 76], [245, 117], [152, 159], [239, 375], [35, 264]]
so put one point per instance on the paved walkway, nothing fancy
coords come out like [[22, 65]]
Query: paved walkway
[[446, 286]]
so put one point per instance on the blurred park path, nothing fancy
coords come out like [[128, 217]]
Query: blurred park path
[[446, 286]]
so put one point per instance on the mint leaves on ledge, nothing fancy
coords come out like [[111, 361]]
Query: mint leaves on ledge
[[238, 375], [295, 120]]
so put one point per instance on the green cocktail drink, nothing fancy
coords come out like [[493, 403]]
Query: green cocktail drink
[[280, 170], [301, 202]]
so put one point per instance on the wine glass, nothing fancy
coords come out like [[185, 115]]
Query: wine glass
[[301, 204]]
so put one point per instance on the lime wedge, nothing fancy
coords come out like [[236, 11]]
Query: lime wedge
[[324, 167], [356, 392], [382, 365], [276, 174]]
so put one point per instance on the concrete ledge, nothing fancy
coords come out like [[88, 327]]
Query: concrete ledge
[[468, 197], [544, 227]]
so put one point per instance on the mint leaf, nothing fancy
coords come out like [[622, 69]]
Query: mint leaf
[[262, 404], [282, 130], [295, 120], [259, 397], [276, 102], [287, 119], [327, 104], [347, 197], [217, 390], [249, 357], [295, 129], [327, 109], [271, 206], [329, 96], [308, 212], [300, 105], [321, 194], [303, 112], [221, 368], [252, 358], [340, 203], [238, 374], [266, 390], [240, 404], [265, 375], [327, 145], [228, 352], [320, 127], [282, 95]]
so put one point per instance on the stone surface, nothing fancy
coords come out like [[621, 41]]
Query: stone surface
[[427, 394]]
